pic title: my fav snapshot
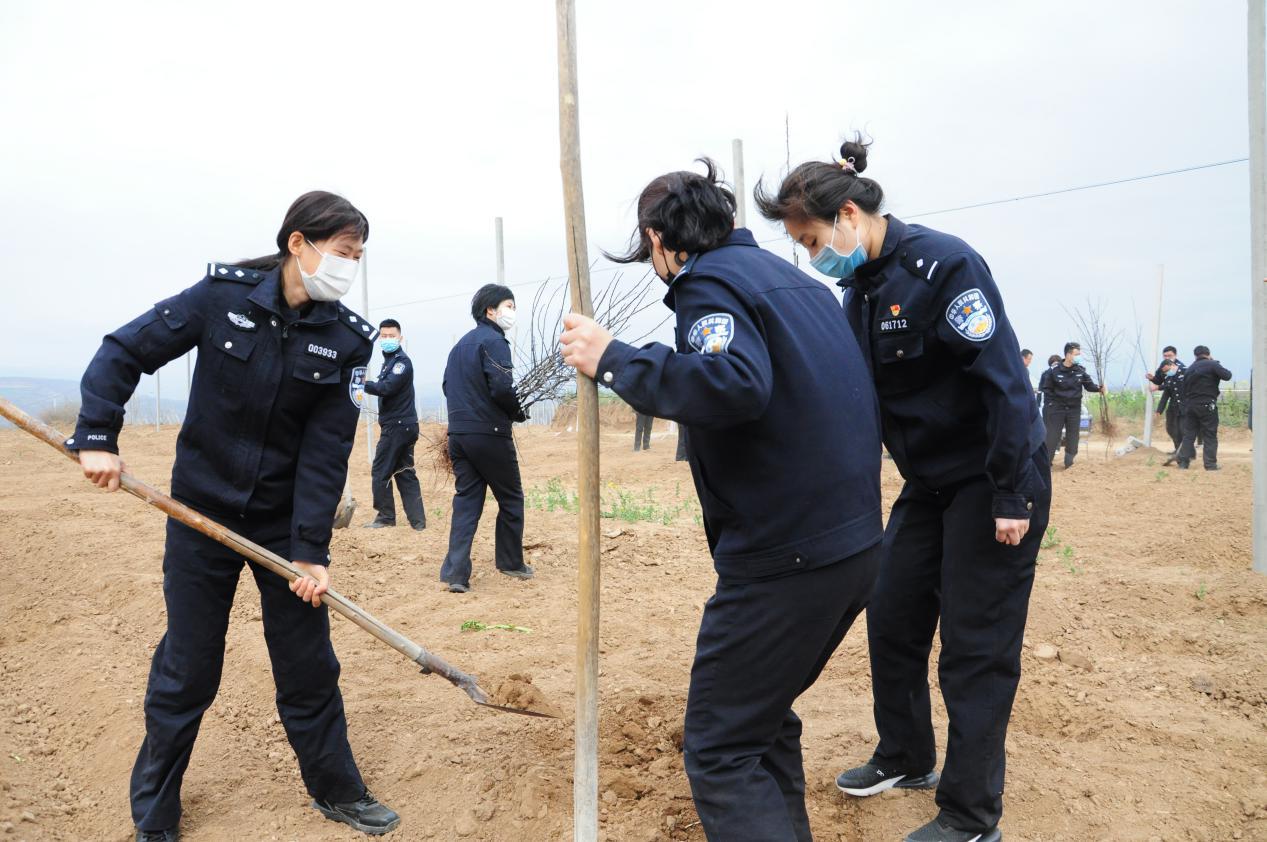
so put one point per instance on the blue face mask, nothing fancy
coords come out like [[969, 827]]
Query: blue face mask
[[1172, 372], [830, 262], [389, 346]]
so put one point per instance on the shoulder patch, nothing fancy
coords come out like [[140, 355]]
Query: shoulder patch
[[356, 324], [398, 368], [356, 386], [971, 316], [712, 334], [224, 272], [919, 265]]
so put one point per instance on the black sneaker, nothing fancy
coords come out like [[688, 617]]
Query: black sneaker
[[871, 779], [418, 527], [378, 524], [172, 834], [457, 587], [524, 572], [939, 831], [1211, 467], [365, 814]]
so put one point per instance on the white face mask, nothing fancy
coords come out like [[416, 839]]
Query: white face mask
[[506, 318], [333, 278]]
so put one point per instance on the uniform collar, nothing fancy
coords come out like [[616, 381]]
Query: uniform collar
[[737, 237], [487, 322], [268, 294], [866, 276]]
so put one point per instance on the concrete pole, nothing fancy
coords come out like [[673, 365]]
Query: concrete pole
[[1258, 259], [741, 195], [158, 400], [1149, 393], [365, 313], [501, 253]]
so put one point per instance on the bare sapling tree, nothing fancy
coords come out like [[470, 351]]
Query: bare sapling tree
[[1101, 341], [542, 374]]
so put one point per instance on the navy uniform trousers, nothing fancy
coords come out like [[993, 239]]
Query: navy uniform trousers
[[760, 646], [642, 431], [482, 462], [394, 457], [200, 577], [1058, 417], [1174, 424], [1200, 426], [941, 561]]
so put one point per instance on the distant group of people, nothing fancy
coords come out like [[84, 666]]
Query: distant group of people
[[1189, 403], [1189, 396]]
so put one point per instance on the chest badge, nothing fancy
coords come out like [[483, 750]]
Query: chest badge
[[971, 316], [322, 351], [712, 334], [895, 309], [241, 321], [356, 386]]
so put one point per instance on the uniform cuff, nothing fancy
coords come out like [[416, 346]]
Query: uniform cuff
[[1012, 506], [615, 358], [93, 439], [309, 553]]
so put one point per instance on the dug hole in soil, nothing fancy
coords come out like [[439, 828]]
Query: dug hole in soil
[[1142, 712]]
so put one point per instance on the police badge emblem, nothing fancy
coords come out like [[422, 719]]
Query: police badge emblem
[[356, 386], [971, 317], [398, 368], [712, 334]]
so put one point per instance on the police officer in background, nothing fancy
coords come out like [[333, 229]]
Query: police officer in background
[[1199, 397], [1062, 386], [480, 390], [1164, 380], [398, 433], [1027, 357], [959, 419], [1171, 404], [264, 449], [764, 358]]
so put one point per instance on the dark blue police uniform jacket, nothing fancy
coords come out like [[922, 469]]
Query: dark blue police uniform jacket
[[479, 384], [395, 390], [954, 395], [784, 432], [273, 406]]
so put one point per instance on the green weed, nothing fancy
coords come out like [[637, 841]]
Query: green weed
[[1050, 539]]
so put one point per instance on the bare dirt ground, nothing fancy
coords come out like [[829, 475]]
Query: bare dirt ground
[[1150, 724]]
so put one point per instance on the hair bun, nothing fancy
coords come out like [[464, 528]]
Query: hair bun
[[856, 151]]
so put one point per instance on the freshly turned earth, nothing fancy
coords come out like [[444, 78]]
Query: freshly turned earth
[[1150, 724]]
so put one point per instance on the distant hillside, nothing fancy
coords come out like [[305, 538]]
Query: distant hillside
[[44, 397]]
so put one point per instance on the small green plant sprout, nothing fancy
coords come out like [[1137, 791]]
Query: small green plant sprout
[[1161, 475], [1152, 460], [1066, 555], [476, 625], [1201, 591], [1050, 539]]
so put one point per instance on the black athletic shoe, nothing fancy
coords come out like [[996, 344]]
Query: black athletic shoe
[[418, 527], [1211, 467], [365, 814], [939, 831], [457, 587], [172, 834], [378, 524], [1181, 464], [524, 572], [871, 779]]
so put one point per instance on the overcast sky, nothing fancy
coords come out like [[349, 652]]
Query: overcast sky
[[141, 140]]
